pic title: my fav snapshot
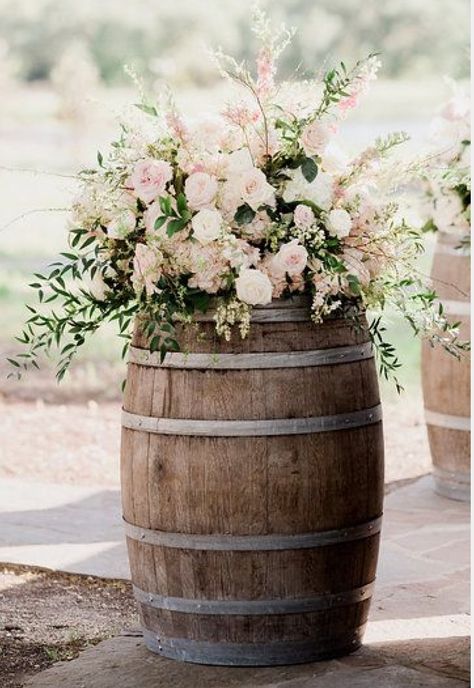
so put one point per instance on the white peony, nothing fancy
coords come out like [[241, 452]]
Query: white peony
[[315, 138], [339, 223], [253, 287], [207, 225]]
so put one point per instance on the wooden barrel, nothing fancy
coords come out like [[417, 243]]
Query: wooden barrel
[[252, 482], [446, 381]]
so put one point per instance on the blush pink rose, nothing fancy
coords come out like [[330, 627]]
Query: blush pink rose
[[150, 177], [315, 138], [200, 189], [254, 188], [292, 258]]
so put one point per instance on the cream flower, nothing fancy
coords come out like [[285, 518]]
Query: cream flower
[[339, 223], [253, 287], [207, 225], [200, 189], [149, 178]]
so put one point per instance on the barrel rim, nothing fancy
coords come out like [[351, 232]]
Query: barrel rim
[[269, 653]]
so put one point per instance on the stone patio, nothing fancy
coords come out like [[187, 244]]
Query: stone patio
[[417, 635]]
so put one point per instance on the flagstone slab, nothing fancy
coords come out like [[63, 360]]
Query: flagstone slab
[[125, 663]]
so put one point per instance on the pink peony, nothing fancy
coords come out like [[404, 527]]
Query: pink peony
[[146, 268], [149, 178]]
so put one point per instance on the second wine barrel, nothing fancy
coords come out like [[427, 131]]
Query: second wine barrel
[[446, 380], [252, 483]]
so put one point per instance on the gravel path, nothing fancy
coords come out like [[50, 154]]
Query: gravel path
[[79, 443], [48, 617]]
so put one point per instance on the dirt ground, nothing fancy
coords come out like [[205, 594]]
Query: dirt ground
[[47, 617]]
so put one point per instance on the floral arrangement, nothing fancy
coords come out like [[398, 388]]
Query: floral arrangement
[[228, 213], [448, 184]]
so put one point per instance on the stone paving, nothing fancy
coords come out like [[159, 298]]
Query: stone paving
[[417, 635]]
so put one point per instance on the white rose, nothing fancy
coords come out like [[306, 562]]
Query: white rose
[[339, 223], [291, 258], [239, 161], [303, 217], [254, 188], [200, 189], [447, 211], [121, 224], [321, 190], [334, 160], [315, 138], [253, 287], [207, 225]]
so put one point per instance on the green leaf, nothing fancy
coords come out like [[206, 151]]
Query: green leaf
[[309, 169], [149, 109], [182, 204], [100, 159], [200, 301], [354, 284], [155, 343], [160, 221], [244, 214], [165, 205], [175, 226]]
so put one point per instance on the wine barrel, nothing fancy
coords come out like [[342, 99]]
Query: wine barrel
[[446, 380], [252, 483]]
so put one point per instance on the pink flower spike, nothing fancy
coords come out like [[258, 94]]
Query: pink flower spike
[[265, 72]]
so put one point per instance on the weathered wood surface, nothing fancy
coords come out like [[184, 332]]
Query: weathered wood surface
[[446, 381], [266, 486]]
